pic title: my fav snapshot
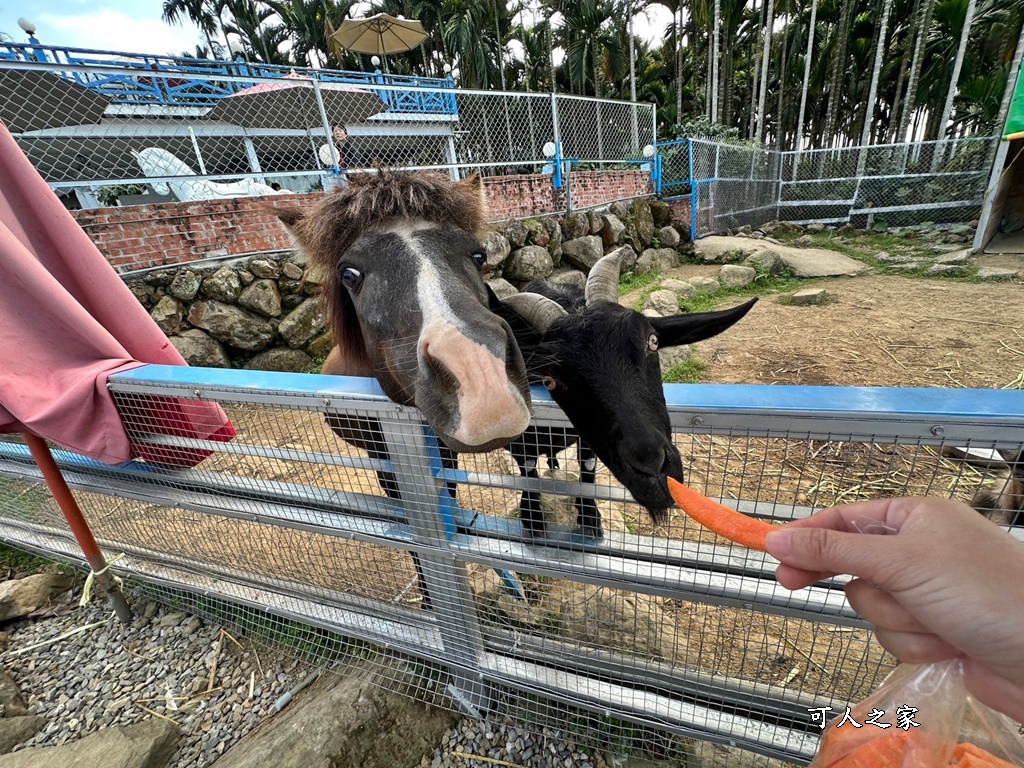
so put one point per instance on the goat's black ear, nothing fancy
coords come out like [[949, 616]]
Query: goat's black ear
[[686, 329], [493, 302]]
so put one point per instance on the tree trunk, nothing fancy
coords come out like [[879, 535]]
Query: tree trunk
[[762, 98], [754, 85], [947, 110], [497, 32], [807, 78], [780, 133], [679, 61], [838, 60], [869, 111], [715, 64], [909, 103], [894, 117]]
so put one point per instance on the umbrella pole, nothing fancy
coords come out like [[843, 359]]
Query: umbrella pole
[[79, 527]]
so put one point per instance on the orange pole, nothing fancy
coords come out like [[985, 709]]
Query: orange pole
[[79, 527]]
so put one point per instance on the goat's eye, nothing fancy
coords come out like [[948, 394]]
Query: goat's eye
[[351, 278], [479, 259], [652, 342], [549, 383]]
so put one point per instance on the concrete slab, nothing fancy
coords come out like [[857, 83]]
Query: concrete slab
[[804, 262]]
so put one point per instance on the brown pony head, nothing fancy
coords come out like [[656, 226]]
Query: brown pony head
[[401, 264]]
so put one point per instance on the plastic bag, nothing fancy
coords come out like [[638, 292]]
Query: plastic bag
[[920, 717]]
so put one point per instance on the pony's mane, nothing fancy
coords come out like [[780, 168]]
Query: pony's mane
[[368, 202]]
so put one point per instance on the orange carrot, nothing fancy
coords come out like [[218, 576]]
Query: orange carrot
[[972, 756], [891, 749], [726, 522]]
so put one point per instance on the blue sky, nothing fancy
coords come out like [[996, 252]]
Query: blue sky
[[113, 25], [134, 26]]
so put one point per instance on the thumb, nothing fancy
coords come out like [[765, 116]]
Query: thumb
[[828, 551]]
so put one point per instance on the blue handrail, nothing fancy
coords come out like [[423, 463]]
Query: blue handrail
[[185, 82]]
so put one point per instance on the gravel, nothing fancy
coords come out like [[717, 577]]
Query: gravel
[[105, 675]]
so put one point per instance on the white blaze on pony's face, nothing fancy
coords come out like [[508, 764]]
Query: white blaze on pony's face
[[463, 364], [407, 303]]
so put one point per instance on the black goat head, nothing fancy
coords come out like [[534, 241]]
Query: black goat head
[[600, 362]]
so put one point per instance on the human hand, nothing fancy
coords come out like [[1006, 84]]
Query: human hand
[[947, 584]]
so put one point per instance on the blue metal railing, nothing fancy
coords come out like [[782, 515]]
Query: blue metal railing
[[183, 82]]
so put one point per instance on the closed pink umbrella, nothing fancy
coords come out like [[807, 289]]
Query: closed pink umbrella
[[67, 322]]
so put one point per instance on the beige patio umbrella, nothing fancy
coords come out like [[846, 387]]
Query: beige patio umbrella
[[381, 34]]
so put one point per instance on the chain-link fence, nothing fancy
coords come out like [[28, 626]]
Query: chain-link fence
[[652, 628], [122, 132], [732, 185]]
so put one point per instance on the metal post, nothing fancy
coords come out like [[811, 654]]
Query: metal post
[[693, 190], [79, 527], [328, 135], [453, 158], [254, 160], [444, 577], [988, 202]]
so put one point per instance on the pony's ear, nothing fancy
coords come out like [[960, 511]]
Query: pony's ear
[[474, 185], [288, 216]]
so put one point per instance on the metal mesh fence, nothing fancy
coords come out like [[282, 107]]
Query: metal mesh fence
[[734, 185], [105, 133], [651, 629]]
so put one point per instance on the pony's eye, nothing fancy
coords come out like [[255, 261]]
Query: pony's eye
[[652, 342], [549, 383], [351, 278], [479, 259]]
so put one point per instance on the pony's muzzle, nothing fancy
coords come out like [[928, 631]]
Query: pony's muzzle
[[471, 400]]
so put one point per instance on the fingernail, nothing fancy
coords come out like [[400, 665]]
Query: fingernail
[[779, 543]]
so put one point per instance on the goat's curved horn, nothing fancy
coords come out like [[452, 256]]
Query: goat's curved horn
[[603, 281], [539, 311]]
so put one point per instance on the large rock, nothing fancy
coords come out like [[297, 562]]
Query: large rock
[[231, 325], [735, 276], [664, 302], [303, 323], [661, 213], [538, 232], [502, 288], [517, 232], [185, 285], [554, 228], [496, 248], [613, 231], [766, 263], [568, 277], [682, 289], [668, 237], [15, 730], [803, 262], [996, 273], [149, 744], [200, 350], [262, 297], [262, 267], [19, 597], [222, 285], [583, 252], [656, 260], [10, 698], [320, 346], [705, 284], [281, 359], [347, 721], [167, 315], [670, 357], [528, 263], [595, 222], [575, 225], [809, 296], [641, 224]]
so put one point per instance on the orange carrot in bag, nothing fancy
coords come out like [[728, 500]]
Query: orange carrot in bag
[[726, 522], [969, 755], [890, 749]]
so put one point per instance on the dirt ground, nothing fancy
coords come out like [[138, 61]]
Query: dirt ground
[[880, 330]]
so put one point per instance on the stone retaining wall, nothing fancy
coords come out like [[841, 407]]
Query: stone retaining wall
[[263, 311]]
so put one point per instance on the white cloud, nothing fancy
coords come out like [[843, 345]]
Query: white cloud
[[108, 30]]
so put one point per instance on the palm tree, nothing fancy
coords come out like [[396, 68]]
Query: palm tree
[[764, 71], [807, 78], [957, 65], [910, 104], [869, 107], [205, 14]]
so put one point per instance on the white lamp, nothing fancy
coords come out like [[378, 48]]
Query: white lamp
[[447, 68], [649, 150], [375, 60], [27, 26], [548, 150]]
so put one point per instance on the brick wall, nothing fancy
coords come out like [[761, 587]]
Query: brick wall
[[593, 188], [141, 236], [680, 207]]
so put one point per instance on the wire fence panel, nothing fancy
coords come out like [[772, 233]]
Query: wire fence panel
[[896, 185], [383, 539], [103, 133]]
